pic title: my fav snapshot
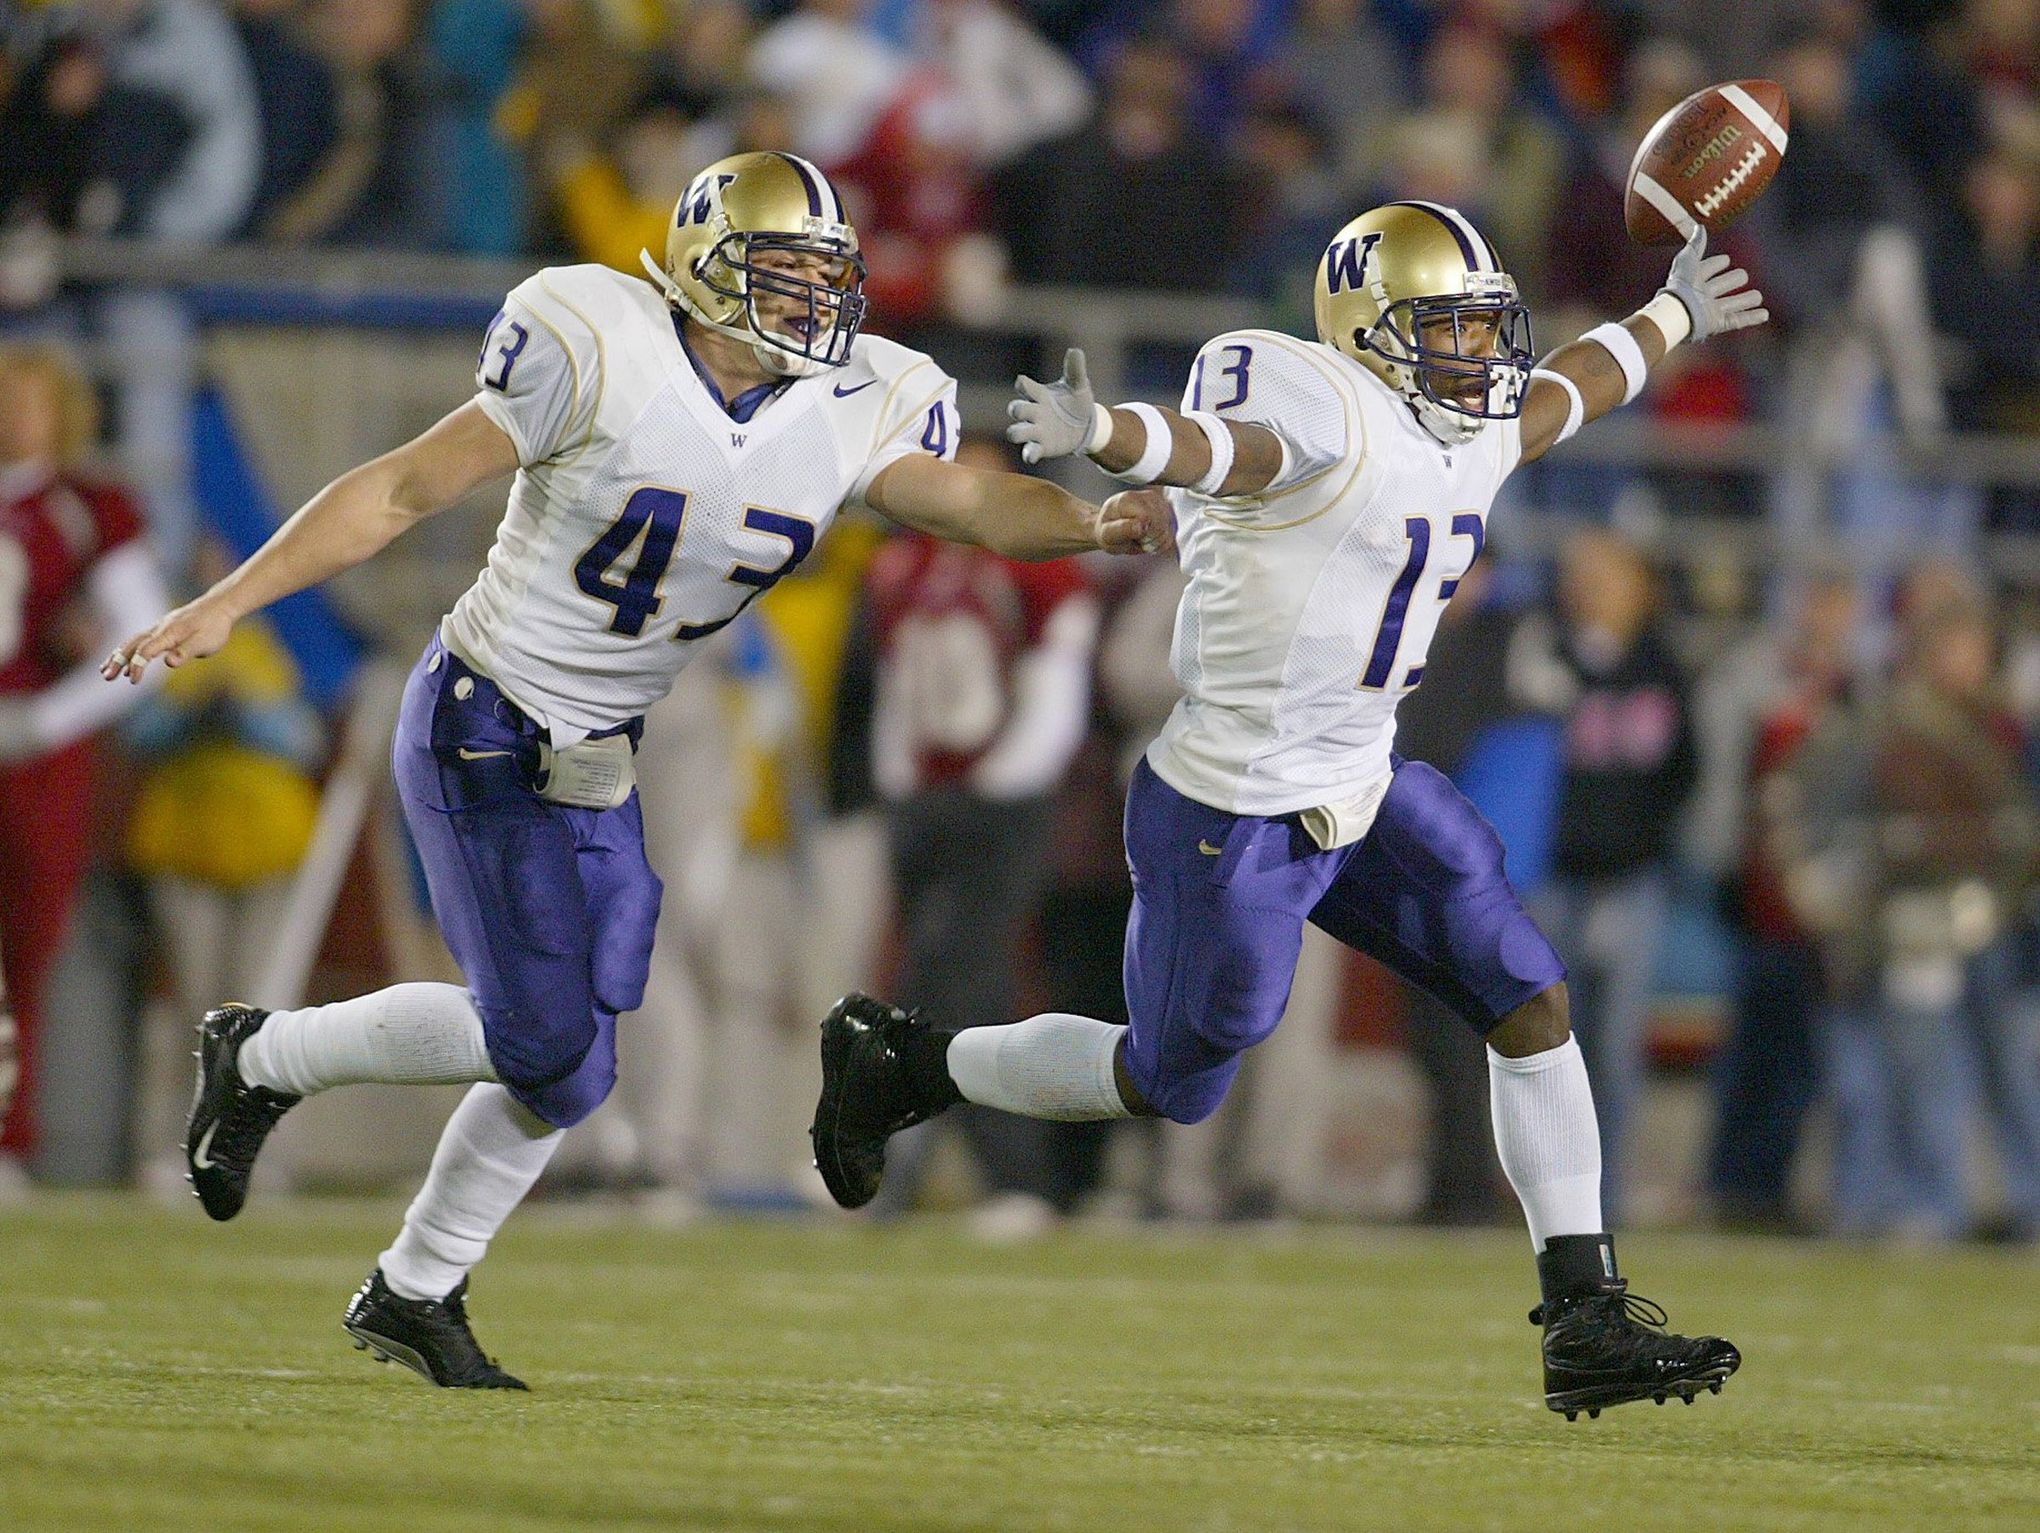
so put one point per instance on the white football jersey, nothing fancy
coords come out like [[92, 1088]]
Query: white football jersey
[[1310, 606], [645, 515]]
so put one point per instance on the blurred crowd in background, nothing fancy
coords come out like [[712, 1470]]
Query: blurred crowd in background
[[1804, 791]]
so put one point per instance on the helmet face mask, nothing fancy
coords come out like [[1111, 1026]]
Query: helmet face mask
[[760, 250], [812, 322], [1482, 373], [1415, 294]]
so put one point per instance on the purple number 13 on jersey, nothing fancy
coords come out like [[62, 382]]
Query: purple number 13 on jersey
[[507, 353], [1417, 529], [1242, 360]]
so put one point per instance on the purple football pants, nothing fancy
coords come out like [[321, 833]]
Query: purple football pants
[[1219, 902], [549, 910]]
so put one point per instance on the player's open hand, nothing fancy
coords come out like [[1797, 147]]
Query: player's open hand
[[1054, 420], [192, 632], [1137, 522], [1718, 298]]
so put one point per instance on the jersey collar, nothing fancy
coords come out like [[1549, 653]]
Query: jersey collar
[[746, 404]]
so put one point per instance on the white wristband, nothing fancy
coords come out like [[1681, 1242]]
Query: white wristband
[[1220, 436], [1101, 428], [1669, 313], [1576, 407], [1154, 457], [1621, 345]]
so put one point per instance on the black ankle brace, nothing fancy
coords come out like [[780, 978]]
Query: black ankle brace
[[924, 1054], [1575, 1264]]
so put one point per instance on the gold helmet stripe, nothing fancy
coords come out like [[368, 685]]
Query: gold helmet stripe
[[1480, 255]]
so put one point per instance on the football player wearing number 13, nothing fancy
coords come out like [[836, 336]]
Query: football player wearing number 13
[[679, 445], [1328, 499]]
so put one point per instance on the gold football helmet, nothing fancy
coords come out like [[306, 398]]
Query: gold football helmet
[[1414, 293], [760, 250]]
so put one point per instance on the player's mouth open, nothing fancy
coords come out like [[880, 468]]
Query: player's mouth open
[[1468, 389]]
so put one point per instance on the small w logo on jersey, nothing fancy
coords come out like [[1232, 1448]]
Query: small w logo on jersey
[[737, 439]]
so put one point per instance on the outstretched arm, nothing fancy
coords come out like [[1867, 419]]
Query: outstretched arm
[[1165, 447], [1585, 379], [1011, 514], [345, 524]]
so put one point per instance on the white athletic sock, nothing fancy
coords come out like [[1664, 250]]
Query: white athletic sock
[[409, 1035], [489, 1154], [1051, 1066], [1549, 1142]]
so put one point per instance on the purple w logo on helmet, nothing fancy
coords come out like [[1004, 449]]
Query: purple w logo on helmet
[[695, 207], [1346, 261]]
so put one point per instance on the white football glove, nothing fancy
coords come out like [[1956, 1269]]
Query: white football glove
[[1718, 298], [1054, 420]]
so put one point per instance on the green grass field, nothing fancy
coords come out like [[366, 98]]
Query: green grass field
[[159, 1372]]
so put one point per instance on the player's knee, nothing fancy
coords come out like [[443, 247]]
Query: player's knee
[[566, 1102], [1191, 1097], [564, 1078], [531, 1055], [1192, 1105], [1540, 1024]]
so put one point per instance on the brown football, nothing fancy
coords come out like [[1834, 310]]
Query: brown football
[[1706, 161]]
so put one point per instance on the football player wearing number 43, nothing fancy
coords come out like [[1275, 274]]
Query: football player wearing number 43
[[1327, 501], [679, 445]]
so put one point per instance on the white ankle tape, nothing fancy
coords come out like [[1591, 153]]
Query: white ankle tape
[[419, 1033], [1055, 1066]]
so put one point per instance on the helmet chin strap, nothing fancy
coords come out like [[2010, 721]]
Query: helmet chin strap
[[776, 360], [782, 363], [1450, 427], [655, 269]]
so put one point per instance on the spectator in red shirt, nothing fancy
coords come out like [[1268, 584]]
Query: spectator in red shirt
[[983, 699], [917, 197], [74, 569]]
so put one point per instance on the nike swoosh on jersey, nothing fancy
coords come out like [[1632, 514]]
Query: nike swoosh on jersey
[[843, 393], [1209, 850], [200, 1160], [467, 755]]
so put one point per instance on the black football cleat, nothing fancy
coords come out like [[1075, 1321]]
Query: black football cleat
[[1610, 1347], [428, 1336], [868, 1094], [229, 1118]]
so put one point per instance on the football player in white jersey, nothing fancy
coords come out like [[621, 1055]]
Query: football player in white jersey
[[1328, 497], [679, 444]]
